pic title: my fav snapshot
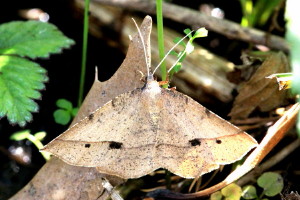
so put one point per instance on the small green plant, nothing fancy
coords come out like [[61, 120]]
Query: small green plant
[[257, 13], [20, 78], [35, 139], [65, 113], [270, 182], [230, 192], [188, 48]]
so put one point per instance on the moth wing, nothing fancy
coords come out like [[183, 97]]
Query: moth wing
[[116, 139], [195, 139]]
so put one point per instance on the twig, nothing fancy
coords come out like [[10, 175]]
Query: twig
[[270, 162], [196, 19]]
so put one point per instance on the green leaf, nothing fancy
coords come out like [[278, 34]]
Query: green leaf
[[20, 80], [62, 117], [187, 31], [201, 32], [74, 112], [216, 196], [20, 135], [249, 192], [63, 103], [271, 182], [174, 53], [182, 54], [32, 39], [40, 135], [232, 192], [177, 39]]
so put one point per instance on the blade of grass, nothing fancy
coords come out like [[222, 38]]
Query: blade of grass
[[160, 38], [84, 50]]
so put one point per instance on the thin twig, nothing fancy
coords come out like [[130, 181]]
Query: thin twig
[[270, 162], [196, 19]]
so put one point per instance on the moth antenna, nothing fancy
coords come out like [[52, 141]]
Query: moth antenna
[[170, 52], [143, 43]]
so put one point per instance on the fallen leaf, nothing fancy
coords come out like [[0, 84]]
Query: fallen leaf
[[260, 92]]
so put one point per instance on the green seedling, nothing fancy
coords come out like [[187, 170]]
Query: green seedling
[[35, 139], [188, 48], [270, 182], [65, 113]]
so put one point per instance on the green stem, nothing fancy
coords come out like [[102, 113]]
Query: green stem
[[160, 38], [39, 145], [84, 50]]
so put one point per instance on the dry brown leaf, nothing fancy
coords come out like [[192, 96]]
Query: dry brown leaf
[[260, 92], [58, 180]]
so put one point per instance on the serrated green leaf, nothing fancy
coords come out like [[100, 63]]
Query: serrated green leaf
[[249, 192], [20, 135], [63, 103], [20, 80], [216, 196], [271, 182], [232, 192], [32, 39], [62, 117]]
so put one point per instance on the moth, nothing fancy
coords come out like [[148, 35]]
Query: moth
[[149, 128]]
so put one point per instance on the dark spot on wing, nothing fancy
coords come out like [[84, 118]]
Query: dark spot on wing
[[218, 141], [103, 93], [195, 142], [91, 116], [113, 102], [87, 145], [186, 100], [115, 145]]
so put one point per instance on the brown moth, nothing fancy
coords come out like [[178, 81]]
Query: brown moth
[[149, 128]]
